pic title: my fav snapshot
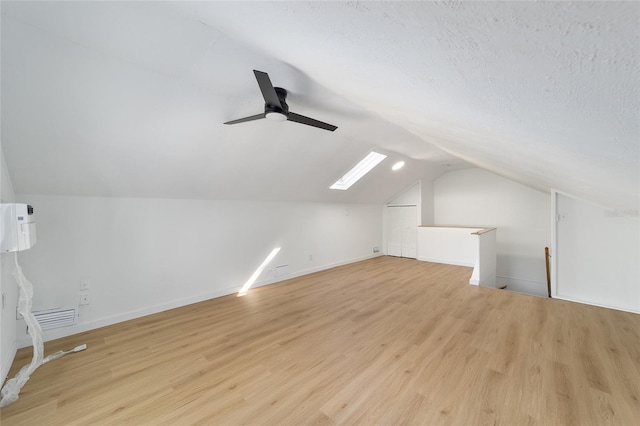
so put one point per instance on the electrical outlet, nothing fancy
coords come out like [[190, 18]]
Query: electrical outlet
[[84, 298], [84, 284], [310, 257], [376, 249]]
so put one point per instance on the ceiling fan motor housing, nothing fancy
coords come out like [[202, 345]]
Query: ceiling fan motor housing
[[282, 95]]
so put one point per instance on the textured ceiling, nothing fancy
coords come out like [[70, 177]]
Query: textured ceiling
[[128, 99]]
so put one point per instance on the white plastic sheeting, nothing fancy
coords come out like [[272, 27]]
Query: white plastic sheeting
[[12, 387]]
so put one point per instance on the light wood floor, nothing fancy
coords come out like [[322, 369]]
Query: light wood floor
[[384, 341]]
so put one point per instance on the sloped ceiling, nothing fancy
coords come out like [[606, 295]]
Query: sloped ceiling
[[128, 99]]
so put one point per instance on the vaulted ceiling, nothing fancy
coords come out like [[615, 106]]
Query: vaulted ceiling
[[128, 98]]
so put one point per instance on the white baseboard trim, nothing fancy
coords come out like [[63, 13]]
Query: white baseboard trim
[[313, 270], [58, 333], [7, 360], [600, 305], [539, 288]]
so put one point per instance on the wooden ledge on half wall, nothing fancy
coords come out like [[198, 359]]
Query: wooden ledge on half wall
[[482, 229]]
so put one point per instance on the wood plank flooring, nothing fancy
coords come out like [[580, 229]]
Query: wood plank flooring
[[384, 341]]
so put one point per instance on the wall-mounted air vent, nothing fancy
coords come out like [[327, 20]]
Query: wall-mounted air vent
[[54, 318], [282, 270]]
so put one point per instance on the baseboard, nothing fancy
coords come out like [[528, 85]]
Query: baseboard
[[313, 270], [7, 360], [539, 288], [58, 333], [600, 305], [523, 285]]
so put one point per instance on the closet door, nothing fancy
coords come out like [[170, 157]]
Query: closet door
[[409, 231], [402, 231], [394, 231]]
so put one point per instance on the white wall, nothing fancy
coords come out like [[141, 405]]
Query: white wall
[[408, 197], [426, 198], [8, 286], [597, 255], [147, 255], [475, 197]]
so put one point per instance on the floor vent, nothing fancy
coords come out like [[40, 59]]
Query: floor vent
[[55, 318]]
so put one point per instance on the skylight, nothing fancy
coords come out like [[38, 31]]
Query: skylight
[[362, 168]]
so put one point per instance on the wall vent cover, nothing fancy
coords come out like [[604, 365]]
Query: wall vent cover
[[55, 318], [282, 270]]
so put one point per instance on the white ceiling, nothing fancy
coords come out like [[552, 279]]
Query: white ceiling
[[128, 99]]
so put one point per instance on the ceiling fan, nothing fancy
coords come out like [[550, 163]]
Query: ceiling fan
[[275, 107]]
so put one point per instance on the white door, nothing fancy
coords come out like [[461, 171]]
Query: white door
[[394, 231], [409, 231], [402, 231]]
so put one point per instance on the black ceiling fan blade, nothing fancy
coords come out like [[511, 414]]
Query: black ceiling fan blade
[[268, 92], [243, 120], [310, 121]]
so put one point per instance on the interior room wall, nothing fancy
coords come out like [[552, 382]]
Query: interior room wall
[[146, 255], [426, 197], [409, 197], [475, 197], [597, 254], [8, 286]]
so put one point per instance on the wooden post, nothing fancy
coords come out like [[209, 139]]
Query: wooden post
[[546, 260]]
